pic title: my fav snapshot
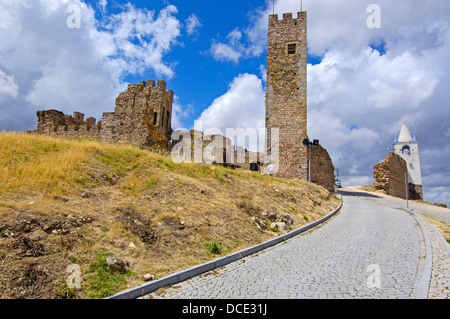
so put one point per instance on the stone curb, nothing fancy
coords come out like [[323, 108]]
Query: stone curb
[[426, 278], [424, 284], [444, 243], [147, 288]]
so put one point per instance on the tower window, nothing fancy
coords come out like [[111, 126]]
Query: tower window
[[406, 150], [292, 48]]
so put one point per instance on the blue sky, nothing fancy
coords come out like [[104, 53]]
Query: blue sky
[[363, 83], [199, 77]]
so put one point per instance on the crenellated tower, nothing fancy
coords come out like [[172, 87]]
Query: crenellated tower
[[286, 94]]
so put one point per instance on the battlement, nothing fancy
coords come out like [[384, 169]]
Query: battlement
[[288, 18], [52, 118]]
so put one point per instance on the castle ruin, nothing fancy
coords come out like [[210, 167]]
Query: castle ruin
[[142, 117]]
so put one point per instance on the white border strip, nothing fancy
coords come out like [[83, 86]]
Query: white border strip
[[147, 288]]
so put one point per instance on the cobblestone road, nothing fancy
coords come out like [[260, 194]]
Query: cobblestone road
[[366, 251]]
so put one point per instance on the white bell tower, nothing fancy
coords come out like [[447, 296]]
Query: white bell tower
[[408, 148]]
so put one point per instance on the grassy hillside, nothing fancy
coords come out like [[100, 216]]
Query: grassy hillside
[[77, 202]]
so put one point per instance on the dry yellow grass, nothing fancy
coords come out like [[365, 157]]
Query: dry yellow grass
[[159, 216]]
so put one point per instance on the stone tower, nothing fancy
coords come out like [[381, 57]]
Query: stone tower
[[286, 94], [407, 147]]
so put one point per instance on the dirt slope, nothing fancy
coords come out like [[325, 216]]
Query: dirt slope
[[78, 202]]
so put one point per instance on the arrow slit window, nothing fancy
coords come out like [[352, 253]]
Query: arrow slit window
[[291, 48]]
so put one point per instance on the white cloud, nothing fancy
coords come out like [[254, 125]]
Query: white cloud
[[193, 24], [154, 37], [231, 51], [390, 86], [224, 52], [241, 107], [357, 102], [179, 114], [263, 72], [102, 4], [248, 43], [8, 87]]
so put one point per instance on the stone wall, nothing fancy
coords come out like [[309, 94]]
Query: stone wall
[[286, 95], [390, 178], [322, 169], [200, 148], [57, 124], [142, 117], [196, 147]]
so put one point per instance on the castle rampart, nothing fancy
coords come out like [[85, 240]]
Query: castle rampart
[[322, 169], [57, 124]]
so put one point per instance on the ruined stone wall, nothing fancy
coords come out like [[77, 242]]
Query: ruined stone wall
[[142, 117], [57, 124], [201, 148], [390, 176], [322, 169], [286, 95]]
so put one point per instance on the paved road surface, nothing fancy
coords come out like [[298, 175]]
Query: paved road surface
[[369, 250]]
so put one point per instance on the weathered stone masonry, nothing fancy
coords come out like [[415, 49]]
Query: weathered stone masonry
[[390, 178], [322, 169], [56, 123], [286, 95], [142, 117], [286, 102]]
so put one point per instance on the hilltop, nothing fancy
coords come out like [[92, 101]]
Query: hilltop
[[65, 202]]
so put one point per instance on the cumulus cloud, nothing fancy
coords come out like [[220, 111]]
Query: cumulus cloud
[[225, 52], [155, 37], [241, 107], [243, 43], [102, 4], [8, 87]]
